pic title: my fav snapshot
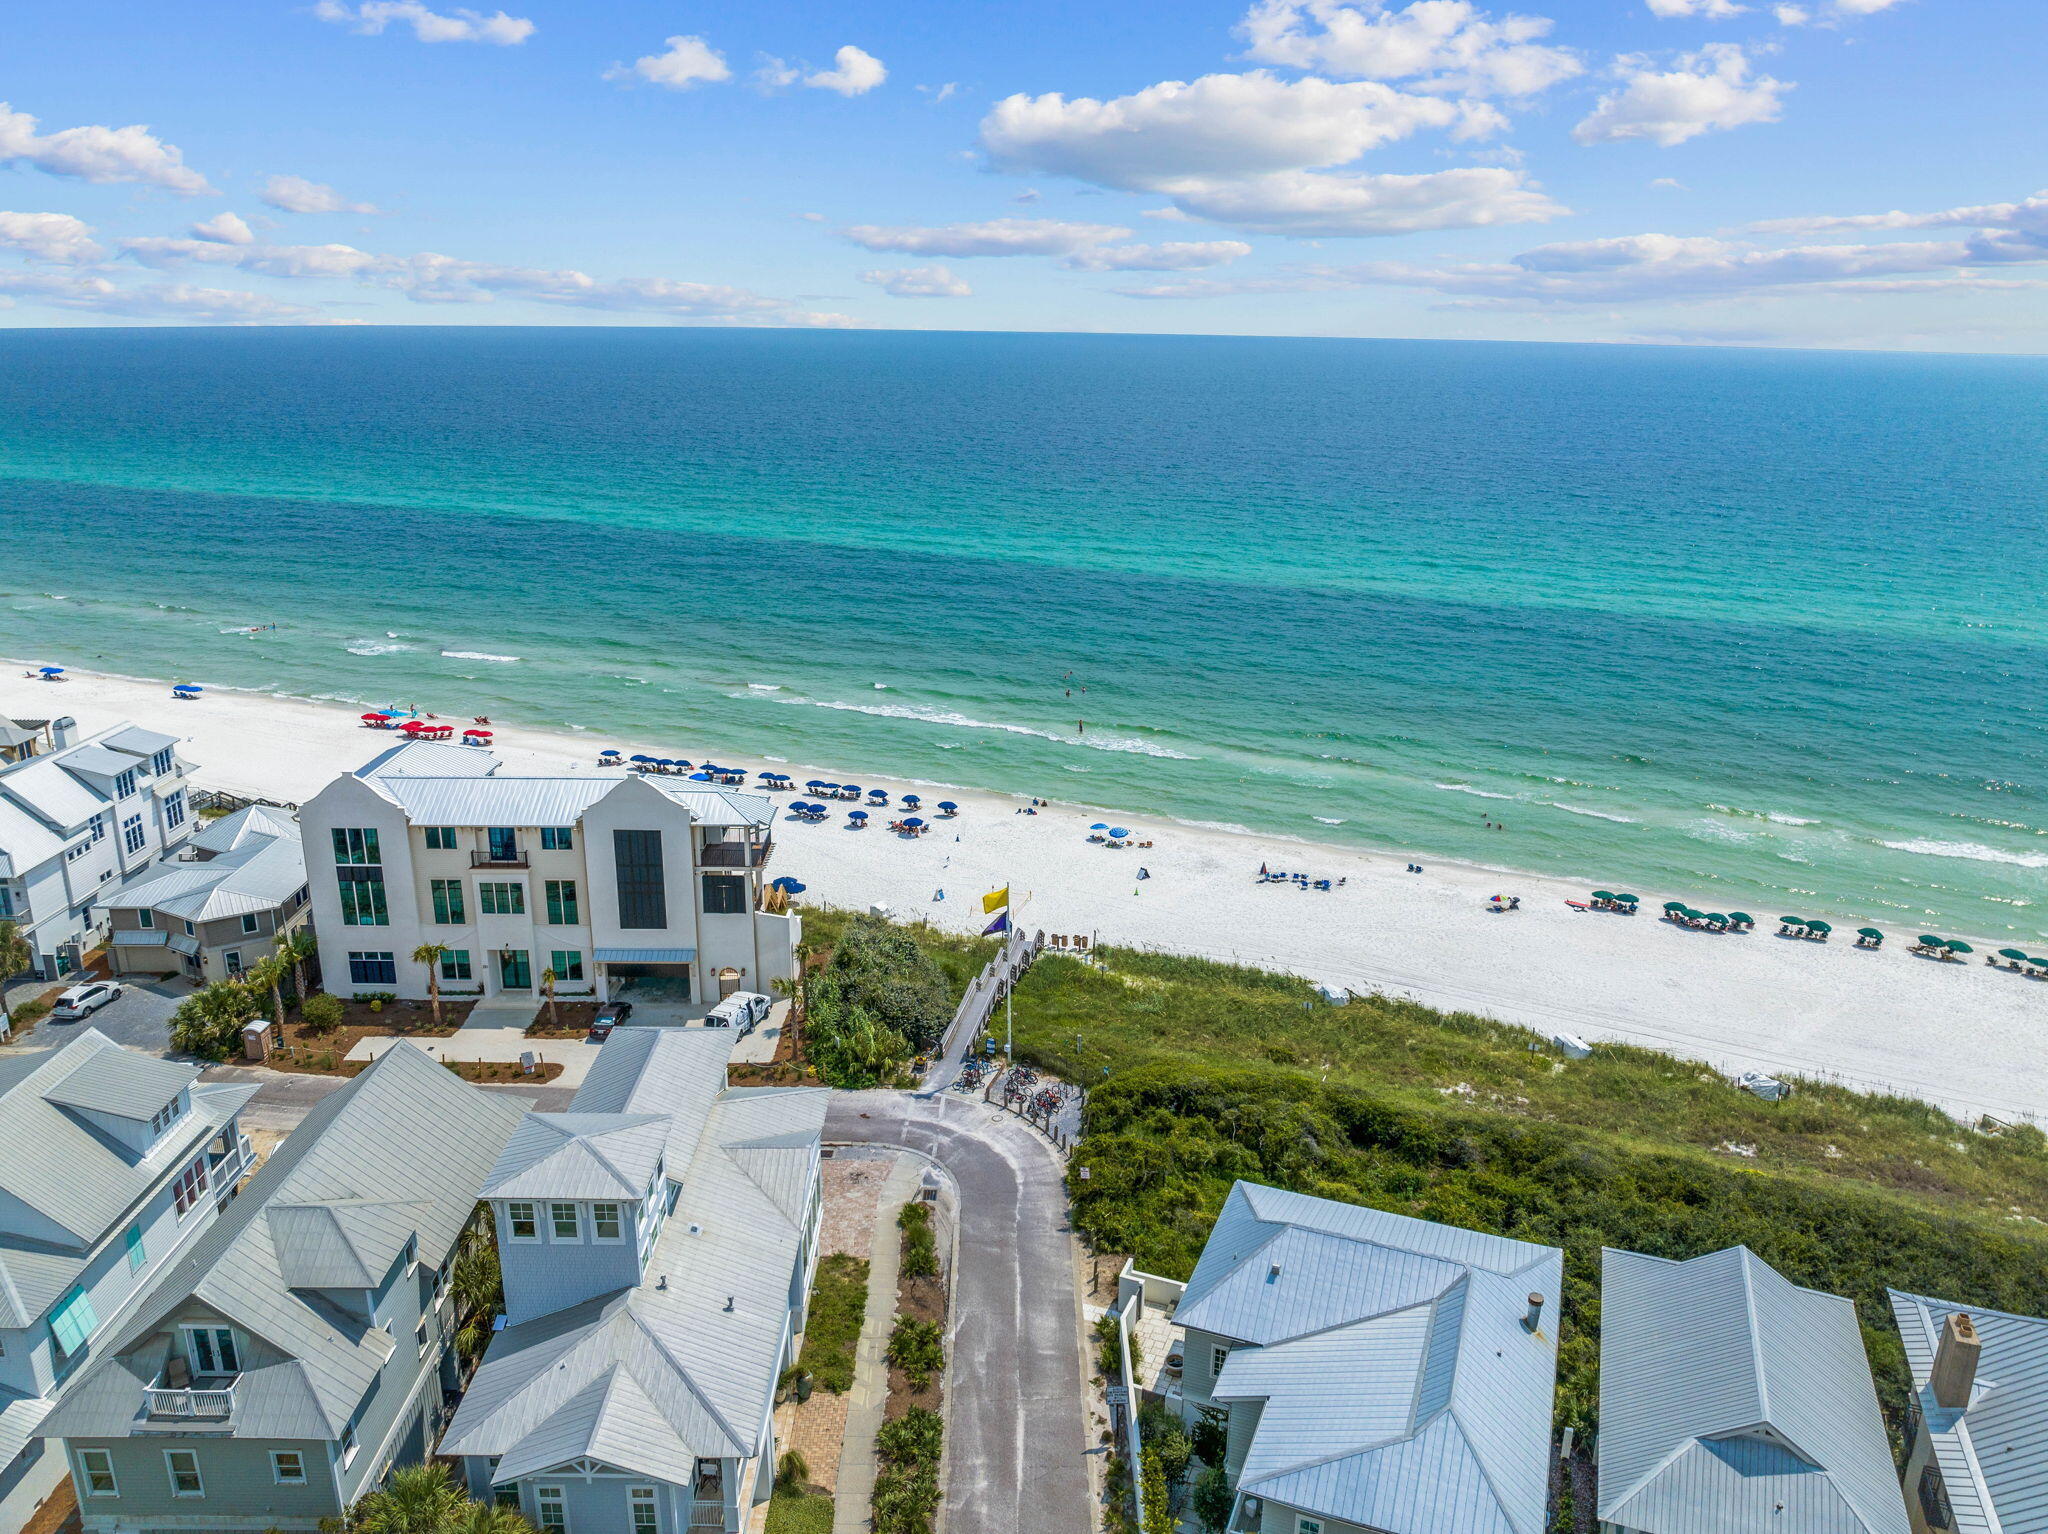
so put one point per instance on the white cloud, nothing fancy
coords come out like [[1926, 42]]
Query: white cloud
[[1792, 15], [939, 93], [683, 62], [992, 237], [295, 194], [855, 72], [919, 282], [1253, 150], [225, 229], [176, 300], [1669, 183], [774, 74], [1707, 10], [2005, 232], [54, 237], [1438, 45], [98, 154], [460, 26], [1172, 256], [1709, 91]]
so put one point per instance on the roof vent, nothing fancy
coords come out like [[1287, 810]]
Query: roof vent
[[696, 1229], [728, 1304], [661, 1282], [1534, 1317], [1273, 1273]]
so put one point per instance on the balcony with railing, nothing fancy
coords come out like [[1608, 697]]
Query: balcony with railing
[[206, 1398], [498, 857], [734, 854], [707, 1515]]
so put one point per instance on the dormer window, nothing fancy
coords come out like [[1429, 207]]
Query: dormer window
[[606, 1223], [145, 919], [566, 1222], [522, 1223], [124, 783], [166, 1116], [212, 1351], [161, 762]]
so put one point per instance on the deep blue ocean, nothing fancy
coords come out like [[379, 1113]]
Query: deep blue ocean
[[1749, 628]]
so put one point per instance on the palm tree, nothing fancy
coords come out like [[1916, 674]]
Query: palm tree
[[487, 1518], [15, 956], [295, 947], [547, 988], [431, 954], [419, 1499], [267, 974]]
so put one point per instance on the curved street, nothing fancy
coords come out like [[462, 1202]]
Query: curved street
[[1016, 1435]]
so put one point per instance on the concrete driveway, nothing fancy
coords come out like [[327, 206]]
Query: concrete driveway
[[139, 1018], [1016, 1434]]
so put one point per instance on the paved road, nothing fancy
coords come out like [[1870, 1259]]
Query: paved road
[[140, 1017], [1016, 1416]]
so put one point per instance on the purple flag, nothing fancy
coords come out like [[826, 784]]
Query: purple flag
[[1000, 924]]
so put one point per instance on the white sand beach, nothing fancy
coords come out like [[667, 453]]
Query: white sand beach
[[1963, 1035]]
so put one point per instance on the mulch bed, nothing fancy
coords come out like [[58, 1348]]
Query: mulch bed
[[921, 1299], [574, 1020]]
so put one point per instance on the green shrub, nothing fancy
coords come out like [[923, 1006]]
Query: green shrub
[[920, 1246], [1212, 1499], [1163, 1435], [1158, 1492], [839, 1298], [792, 1471], [918, 1349], [915, 1438], [321, 1012], [1209, 1433], [209, 1022], [907, 1484]]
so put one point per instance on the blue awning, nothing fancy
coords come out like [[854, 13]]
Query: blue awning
[[645, 955]]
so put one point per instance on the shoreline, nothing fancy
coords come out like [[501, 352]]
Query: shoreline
[[1738, 1001]]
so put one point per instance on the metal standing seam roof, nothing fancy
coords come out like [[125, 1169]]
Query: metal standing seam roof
[[42, 787], [581, 1155], [251, 821], [404, 1132], [431, 759], [96, 758], [26, 841], [122, 1083], [340, 1243], [717, 806], [259, 874], [134, 737], [650, 1378], [1993, 1453], [494, 801], [643, 955], [1731, 1399], [1399, 1388]]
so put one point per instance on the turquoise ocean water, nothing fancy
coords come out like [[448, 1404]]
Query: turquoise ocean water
[[1762, 629]]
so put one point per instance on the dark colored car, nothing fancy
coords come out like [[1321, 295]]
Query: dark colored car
[[609, 1016]]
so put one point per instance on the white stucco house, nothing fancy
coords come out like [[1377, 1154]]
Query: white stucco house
[[622, 886]]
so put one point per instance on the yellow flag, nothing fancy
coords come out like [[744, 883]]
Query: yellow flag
[[995, 900]]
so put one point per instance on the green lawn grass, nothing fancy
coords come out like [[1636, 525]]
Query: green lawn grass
[[1218, 1072], [799, 1512], [839, 1298]]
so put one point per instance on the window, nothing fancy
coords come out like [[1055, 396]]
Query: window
[[448, 902], [73, 854], [190, 1184], [73, 1322], [643, 897], [372, 969], [145, 919], [189, 931], [554, 1517], [362, 897], [124, 783], [183, 1465], [99, 827], [515, 972], [353, 845], [212, 1350], [131, 833], [420, 1336], [645, 1519], [724, 895], [522, 1222], [455, 964], [563, 1218], [167, 1115], [96, 1473], [161, 762], [174, 810], [1308, 1526], [506, 1496], [502, 899], [562, 902], [1934, 1499], [557, 839], [232, 961], [348, 1447], [1217, 1355], [440, 838], [567, 963], [288, 1467], [249, 921], [605, 1224], [137, 1256]]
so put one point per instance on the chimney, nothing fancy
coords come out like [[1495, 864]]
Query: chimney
[[1534, 1318], [1955, 1362], [63, 732]]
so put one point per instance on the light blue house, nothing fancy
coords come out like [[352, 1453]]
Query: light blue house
[[1381, 1373], [111, 1165], [1734, 1401], [657, 1242]]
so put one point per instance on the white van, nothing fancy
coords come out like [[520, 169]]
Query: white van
[[743, 1010]]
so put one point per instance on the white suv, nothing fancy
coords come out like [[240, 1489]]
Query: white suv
[[84, 1000]]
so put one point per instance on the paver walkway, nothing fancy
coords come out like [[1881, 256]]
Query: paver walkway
[[855, 1489]]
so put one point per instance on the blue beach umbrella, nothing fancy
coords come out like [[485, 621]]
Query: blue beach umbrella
[[913, 821], [948, 804], [613, 752], [856, 814], [788, 885], [52, 670], [640, 759], [1118, 832], [849, 788], [1100, 825], [815, 783], [188, 687], [700, 777]]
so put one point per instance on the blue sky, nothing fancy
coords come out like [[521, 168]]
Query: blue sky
[[1849, 173]]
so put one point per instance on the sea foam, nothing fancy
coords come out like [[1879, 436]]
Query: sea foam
[[475, 655], [1975, 852], [956, 721]]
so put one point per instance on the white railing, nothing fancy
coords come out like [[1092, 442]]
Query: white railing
[[194, 1403]]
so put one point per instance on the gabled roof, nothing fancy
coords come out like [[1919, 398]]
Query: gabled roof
[[133, 737], [580, 1155], [43, 788], [1993, 1453], [403, 1133], [72, 1175], [1727, 1390], [27, 841], [682, 1366], [96, 758], [1400, 1389], [431, 759], [252, 820], [260, 871], [341, 1243]]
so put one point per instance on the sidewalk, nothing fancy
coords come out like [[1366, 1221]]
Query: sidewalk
[[855, 1489], [496, 1030]]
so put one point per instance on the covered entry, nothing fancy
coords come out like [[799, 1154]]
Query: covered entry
[[657, 981]]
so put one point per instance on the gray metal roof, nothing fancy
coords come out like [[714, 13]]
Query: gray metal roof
[[404, 1132], [252, 820], [717, 806], [1731, 1399], [123, 1083], [340, 1243], [1993, 1453], [259, 872], [133, 737], [95, 758], [581, 1155], [1399, 1387], [648, 1379], [495, 801], [137, 937], [25, 840], [43, 787], [72, 1175], [429, 758]]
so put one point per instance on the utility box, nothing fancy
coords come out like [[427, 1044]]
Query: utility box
[[256, 1041]]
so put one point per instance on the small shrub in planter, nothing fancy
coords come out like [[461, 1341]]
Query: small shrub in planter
[[321, 1012]]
